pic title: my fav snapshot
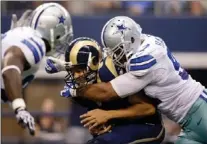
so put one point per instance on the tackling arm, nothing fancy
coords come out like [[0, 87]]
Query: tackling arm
[[13, 65], [98, 92], [139, 108], [122, 86]]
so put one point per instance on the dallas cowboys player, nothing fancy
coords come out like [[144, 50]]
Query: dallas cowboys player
[[151, 66], [23, 48]]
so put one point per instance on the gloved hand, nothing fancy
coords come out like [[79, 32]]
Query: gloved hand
[[25, 119], [54, 65], [23, 21], [68, 92]]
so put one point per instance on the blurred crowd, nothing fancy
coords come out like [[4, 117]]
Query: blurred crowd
[[135, 8]]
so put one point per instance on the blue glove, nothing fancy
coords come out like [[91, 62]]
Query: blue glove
[[68, 92], [54, 65], [50, 67]]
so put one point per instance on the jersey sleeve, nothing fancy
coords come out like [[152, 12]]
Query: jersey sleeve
[[141, 65], [128, 83], [33, 49], [26, 39], [141, 68]]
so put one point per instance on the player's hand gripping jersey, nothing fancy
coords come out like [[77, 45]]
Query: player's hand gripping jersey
[[154, 68], [31, 45]]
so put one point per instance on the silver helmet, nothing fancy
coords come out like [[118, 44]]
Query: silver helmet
[[121, 37], [53, 22]]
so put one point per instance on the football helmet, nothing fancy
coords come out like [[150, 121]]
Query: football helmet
[[121, 37], [84, 55], [53, 22]]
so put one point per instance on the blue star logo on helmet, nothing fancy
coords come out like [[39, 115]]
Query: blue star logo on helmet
[[121, 28], [61, 19]]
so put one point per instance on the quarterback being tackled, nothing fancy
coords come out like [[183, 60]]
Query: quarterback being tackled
[[151, 66]]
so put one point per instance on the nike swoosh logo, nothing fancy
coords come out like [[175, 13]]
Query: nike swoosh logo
[[198, 123]]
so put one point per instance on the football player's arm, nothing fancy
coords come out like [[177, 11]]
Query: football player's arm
[[140, 74], [137, 110], [140, 108], [122, 86], [13, 65]]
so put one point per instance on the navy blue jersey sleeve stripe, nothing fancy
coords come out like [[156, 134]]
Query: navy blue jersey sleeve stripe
[[39, 46], [33, 50], [143, 67], [141, 59]]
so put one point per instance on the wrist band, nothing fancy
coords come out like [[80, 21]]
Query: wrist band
[[17, 103]]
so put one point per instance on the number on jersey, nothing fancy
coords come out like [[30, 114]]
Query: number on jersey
[[183, 74]]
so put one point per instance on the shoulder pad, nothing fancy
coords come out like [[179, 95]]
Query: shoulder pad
[[107, 70]]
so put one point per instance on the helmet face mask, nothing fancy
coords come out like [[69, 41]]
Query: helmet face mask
[[84, 54], [79, 76], [59, 41], [59, 45], [118, 55]]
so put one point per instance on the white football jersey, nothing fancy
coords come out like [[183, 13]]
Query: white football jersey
[[154, 69], [32, 46]]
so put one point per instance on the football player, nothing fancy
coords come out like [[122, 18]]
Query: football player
[[23, 49], [132, 120], [151, 66]]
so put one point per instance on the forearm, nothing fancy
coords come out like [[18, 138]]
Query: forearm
[[13, 65], [13, 84], [98, 92], [138, 110]]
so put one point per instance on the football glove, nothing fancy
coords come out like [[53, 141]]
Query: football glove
[[54, 65], [25, 119], [68, 92], [23, 21]]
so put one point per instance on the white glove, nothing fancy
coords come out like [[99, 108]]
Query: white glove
[[23, 21], [55, 65], [25, 119]]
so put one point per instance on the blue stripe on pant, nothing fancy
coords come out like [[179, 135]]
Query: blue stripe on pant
[[133, 134]]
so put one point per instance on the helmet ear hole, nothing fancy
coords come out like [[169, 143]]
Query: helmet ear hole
[[132, 39], [57, 37]]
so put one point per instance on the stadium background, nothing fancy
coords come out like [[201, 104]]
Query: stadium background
[[181, 24]]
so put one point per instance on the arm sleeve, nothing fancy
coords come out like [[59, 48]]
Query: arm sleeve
[[141, 65], [128, 84], [33, 49]]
